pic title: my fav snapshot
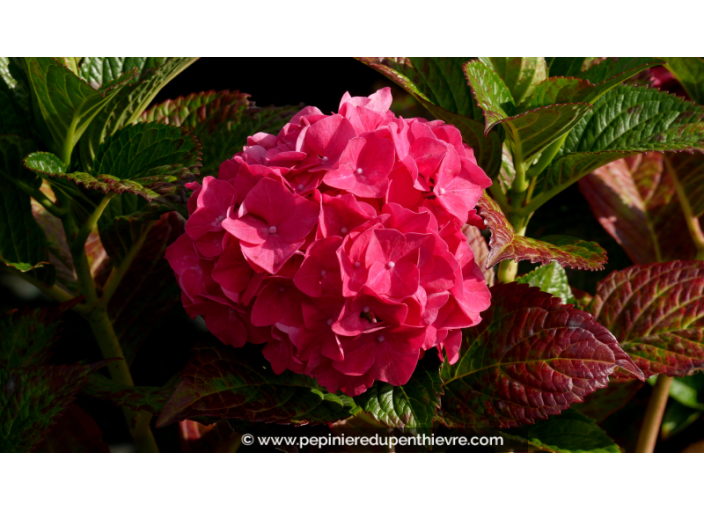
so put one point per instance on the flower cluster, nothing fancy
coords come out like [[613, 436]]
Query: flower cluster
[[338, 244]]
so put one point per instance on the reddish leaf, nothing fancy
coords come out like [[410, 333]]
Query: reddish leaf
[[225, 382], [635, 201], [505, 244], [481, 251], [75, 432], [218, 437], [657, 313], [141, 398], [530, 357]]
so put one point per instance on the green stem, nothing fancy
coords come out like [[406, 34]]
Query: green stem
[[508, 269], [499, 197], [53, 291], [82, 235], [41, 198], [119, 272], [137, 421], [650, 430]]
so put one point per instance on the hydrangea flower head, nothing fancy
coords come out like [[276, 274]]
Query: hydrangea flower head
[[337, 243]]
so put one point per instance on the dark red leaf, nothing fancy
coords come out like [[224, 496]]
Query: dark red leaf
[[225, 382], [657, 313], [529, 358], [505, 244], [635, 201]]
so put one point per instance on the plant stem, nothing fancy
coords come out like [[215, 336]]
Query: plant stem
[[507, 271], [137, 421], [119, 272], [695, 231], [509, 268], [41, 198], [650, 430], [499, 197], [82, 235], [53, 291]]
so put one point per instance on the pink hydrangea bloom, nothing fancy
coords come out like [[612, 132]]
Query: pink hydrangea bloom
[[337, 244]]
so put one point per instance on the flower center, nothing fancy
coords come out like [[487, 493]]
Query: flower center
[[300, 187], [390, 265], [325, 158], [365, 309], [272, 230], [357, 265], [323, 272], [380, 338], [441, 191], [281, 289], [343, 230], [360, 171], [330, 321]]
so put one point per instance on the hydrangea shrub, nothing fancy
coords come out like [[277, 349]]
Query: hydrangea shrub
[[355, 270]]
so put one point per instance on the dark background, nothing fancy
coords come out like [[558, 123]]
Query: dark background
[[320, 82]]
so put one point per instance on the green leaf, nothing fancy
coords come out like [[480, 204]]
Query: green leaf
[[221, 121], [657, 313], [636, 202], [612, 71], [150, 160], [689, 391], [5, 74], [132, 100], [689, 71], [569, 432], [13, 120], [491, 93], [624, 122], [439, 85], [22, 241], [530, 357], [225, 382], [520, 74], [140, 398], [101, 70], [412, 405], [65, 102], [565, 66], [552, 279], [505, 244], [32, 398], [676, 419], [529, 133]]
